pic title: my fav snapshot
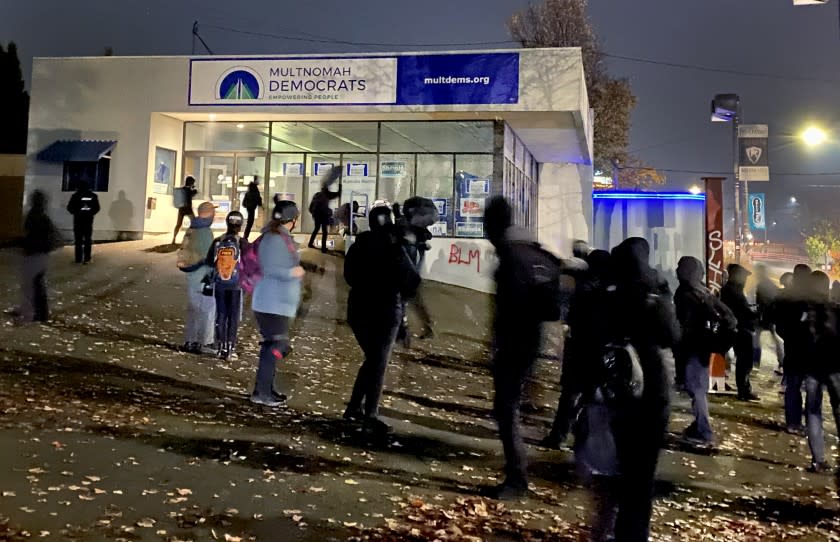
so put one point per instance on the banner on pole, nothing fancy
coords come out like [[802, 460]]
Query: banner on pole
[[753, 164], [758, 216], [714, 233]]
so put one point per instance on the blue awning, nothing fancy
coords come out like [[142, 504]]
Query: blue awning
[[76, 151]]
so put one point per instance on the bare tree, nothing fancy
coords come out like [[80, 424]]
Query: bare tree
[[565, 23]]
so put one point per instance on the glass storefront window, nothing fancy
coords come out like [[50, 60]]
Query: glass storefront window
[[435, 181], [358, 183], [435, 136], [316, 167], [226, 136], [473, 175], [329, 137], [396, 177]]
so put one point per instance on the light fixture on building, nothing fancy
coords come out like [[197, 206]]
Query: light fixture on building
[[212, 116], [240, 126], [694, 190]]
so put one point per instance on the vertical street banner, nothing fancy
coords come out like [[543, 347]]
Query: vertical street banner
[[753, 163], [714, 233], [758, 215]]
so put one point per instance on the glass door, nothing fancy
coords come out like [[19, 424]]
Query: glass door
[[215, 179]]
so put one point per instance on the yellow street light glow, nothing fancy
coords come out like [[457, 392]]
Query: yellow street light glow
[[814, 136]]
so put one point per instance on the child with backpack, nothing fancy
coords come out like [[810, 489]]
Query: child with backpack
[[192, 260], [224, 259]]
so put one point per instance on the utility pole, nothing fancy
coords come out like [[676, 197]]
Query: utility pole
[[727, 108]]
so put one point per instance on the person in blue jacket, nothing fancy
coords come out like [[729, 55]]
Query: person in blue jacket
[[276, 298]]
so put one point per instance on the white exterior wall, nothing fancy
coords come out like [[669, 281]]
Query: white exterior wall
[[564, 206], [469, 263], [165, 132]]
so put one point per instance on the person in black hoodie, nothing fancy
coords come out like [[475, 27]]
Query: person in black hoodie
[[697, 310], [320, 209], [787, 313], [636, 310], [251, 202], [517, 333], [732, 295], [40, 237], [581, 349], [380, 276], [83, 205]]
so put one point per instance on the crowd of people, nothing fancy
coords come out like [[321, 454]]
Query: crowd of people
[[620, 314]]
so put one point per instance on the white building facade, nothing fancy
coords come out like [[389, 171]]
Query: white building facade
[[456, 127]]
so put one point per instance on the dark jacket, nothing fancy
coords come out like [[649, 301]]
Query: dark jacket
[[732, 295], [380, 275], [640, 311], [695, 308], [252, 199], [319, 207], [83, 205], [40, 235], [514, 324]]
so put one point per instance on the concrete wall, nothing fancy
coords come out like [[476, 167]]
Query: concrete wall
[[469, 263], [564, 206], [12, 171], [166, 132]]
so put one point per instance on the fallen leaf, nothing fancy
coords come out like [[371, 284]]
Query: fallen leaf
[[351, 482], [183, 492], [146, 522]]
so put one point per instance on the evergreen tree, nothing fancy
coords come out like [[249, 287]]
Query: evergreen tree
[[14, 103]]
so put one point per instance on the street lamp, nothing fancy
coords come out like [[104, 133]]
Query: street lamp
[[727, 108], [814, 136], [694, 190], [793, 200]]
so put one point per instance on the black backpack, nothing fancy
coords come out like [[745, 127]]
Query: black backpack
[[717, 334], [540, 281]]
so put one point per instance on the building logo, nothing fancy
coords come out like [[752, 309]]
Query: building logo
[[754, 154], [239, 83]]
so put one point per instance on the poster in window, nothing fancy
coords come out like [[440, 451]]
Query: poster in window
[[293, 169], [164, 174], [472, 207], [320, 169], [357, 169], [441, 204]]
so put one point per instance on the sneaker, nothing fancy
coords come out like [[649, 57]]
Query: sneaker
[[508, 492], [795, 430], [552, 442], [376, 426], [354, 414], [819, 467], [427, 334], [232, 356], [279, 396], [692, 436], [273, 403], [751, 397]]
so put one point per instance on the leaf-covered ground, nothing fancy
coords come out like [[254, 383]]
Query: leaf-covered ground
[[108, 432]]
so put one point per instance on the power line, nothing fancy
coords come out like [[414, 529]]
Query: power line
[[314, 38], [720, 70], [319, 39]]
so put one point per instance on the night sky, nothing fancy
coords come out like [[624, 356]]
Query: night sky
[[800, 47]]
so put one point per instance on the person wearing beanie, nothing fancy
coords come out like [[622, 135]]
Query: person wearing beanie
[[201, 309], [223, 257], [276, 298]]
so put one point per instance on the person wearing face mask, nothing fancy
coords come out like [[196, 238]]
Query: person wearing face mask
[[380, 275], [276, 299], [201, 309]]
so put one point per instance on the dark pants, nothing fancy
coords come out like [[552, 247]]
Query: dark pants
[[228, 311], [744, 361], [83, 238], [249, 222], [639, 436], [376, 340], [182, 214], [511, 366], [275, 347], [570, 390], [322, 225], [697, 386], [422, 312], [793, 396], [832, 385], [35, 307]]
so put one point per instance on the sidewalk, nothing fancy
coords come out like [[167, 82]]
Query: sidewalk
[[108, 432]]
